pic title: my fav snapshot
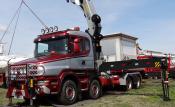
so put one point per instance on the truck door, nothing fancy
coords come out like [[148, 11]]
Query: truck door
[[82, 59]]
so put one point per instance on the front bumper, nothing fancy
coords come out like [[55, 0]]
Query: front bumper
[[38, 86], [45, 87]]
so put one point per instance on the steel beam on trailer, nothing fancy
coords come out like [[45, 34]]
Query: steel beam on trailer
[[131, 64]]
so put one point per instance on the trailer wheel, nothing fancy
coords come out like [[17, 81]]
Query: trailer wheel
[[129, 84], [138, 83], [68, 93], [95, 90]]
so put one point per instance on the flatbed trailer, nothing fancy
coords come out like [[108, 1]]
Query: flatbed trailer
[[125, 69]]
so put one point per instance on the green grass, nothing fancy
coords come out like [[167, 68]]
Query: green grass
[[2, 97], [4, 100], [149, 95]]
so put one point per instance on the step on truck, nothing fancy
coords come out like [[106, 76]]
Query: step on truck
[[68, 63]]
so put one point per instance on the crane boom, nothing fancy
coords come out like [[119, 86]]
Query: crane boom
[[93, 19], [93, 22]]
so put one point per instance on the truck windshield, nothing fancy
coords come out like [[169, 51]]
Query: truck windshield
[[44, 48]]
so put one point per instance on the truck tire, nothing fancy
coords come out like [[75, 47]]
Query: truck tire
[[95, 90], [137, 84], [68, 93], [129, 84]]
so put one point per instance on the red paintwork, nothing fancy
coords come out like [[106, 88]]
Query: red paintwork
[[50, 35], [154, 70], [50, 79], [104, 81], [144, 57], [115, 81], [12, 87], [149, 70], [82, 80], [76, 45], [51, 58], [81, 76], [2, 78], [9, 92], [112, 81]]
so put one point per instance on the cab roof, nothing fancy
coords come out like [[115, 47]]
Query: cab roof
[[51, 35], [63, 33]]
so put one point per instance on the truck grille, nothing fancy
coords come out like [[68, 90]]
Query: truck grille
[[32, 70], [18, 72]]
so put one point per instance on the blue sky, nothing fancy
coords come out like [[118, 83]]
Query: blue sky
[[152, 21]]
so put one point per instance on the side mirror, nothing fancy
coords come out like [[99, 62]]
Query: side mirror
[[76, 45]]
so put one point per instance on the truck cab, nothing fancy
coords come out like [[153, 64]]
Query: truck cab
[[63, 64], [72, 49]]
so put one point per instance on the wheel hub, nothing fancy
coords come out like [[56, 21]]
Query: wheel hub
[[70, 93], [95, 90], [129, 85], [138, 84]]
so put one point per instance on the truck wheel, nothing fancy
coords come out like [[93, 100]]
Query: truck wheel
[[68, 93], [95, 90], [128, 84], [138, 83]]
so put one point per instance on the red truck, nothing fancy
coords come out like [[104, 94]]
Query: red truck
[[156, 72], [68, 63]]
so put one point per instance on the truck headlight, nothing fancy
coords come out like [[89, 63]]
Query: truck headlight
[[21, 71], [35, 70], [24, 71], [40, 70], [15, 72], [12, 72]]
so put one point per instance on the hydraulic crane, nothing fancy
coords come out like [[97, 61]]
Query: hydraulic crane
[[94, 30], [93, 21]]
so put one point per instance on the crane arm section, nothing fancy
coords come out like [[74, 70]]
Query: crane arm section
[[93, 19]]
